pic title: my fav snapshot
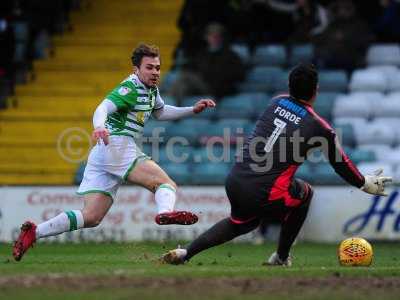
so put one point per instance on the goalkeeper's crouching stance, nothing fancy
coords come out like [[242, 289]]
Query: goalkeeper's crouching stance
[[262, 185]]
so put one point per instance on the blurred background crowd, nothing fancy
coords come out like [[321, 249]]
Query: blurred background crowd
[[237, 51], [25, 30]]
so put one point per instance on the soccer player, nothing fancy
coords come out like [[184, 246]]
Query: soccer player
[[262, 185], [118, 124]]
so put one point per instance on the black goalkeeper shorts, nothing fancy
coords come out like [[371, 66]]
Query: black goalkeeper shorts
[[245, 207]]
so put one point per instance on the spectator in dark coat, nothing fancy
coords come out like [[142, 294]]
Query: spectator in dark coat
[[345, 40], [213, 70], [387, 26]]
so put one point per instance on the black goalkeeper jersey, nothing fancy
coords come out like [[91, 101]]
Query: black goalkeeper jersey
[[284, 136]]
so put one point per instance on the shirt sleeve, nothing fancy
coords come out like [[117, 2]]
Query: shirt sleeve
[[168, 113], [105, 108], [124, 95], [159, 101], [338, 159]]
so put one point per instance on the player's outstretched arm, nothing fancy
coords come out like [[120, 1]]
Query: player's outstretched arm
[[99, 119], [375, 183], [371, 184], [169, 112]]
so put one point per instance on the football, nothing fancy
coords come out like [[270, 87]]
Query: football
[[355, 251]]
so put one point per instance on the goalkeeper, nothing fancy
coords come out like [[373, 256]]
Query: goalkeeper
[[262, 184]]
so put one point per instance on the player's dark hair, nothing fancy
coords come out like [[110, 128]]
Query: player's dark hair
[[303, 81], [143, 50]]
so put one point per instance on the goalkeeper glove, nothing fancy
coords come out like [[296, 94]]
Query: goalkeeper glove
[[375, 184]]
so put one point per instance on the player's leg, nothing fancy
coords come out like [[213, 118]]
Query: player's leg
[[149, 175], [243, 220], [98, 188], [96, 205], [294, 219], [222, 232]]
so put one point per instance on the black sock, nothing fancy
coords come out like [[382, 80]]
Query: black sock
[[220, 233], [290, 229]]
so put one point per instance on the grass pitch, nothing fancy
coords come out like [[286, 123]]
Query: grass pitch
[[231, 271]]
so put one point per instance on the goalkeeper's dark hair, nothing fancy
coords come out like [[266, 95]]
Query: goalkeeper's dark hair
[[303, 81], [143, 50]]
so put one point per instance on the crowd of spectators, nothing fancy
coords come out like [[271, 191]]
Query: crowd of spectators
[[339, 31], [25, 28]]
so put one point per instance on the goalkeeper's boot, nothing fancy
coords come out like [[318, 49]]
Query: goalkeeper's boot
[[26, 239], [176, 217], [174, 257], [275, 260]]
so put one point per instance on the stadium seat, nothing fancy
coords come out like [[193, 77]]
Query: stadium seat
[[180, 173], [154, 127], [372, 98], [238, 106], [346, 134], [396, 174], [167, 80], [333, 81], [41, 45], [243, 52], [169, 100], [269, 55], [394, 124], [248, 129], [280, 82], [301, 53], [253, 87], [380, 151], [384, 153], [262, 79], [383, 54], [180, 59], [351, 106], [210, 173], [21, 34], [147, 149], [190, 129], [191, 100], [243, 105], [173, 153], [79, 173], [260, 102], [378, 134], [324, 174], [393, 157], [233, 128], [357, 123], [392, 75], [394, 94], [368, 80], [215, 154], [324, 104], [305, 172], [388, 107], [361, 155], [394, 82], [371, 167], [235, 125]]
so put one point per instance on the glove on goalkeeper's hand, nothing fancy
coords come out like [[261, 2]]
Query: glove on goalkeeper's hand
[[375, 184]]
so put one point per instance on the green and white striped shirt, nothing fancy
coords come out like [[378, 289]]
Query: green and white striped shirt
[[135, 103]]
